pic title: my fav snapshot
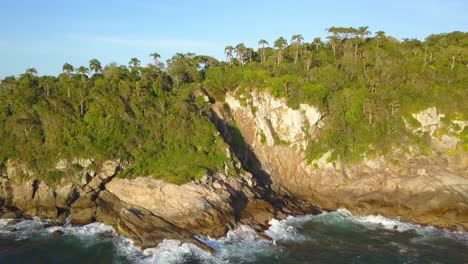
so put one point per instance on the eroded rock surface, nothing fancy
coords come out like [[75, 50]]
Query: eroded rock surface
[[430, 189], [147, 210]]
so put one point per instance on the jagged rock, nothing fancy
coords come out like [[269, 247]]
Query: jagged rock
[[10, 215], [429, 120], [65, 194], [84, 163], [140, 225], [61, 164], [15, 169], [34, 199], [57, 232], [439, 196], [108, 169], [83, 210], [190, 206]]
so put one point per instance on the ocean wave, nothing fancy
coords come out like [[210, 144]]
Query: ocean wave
[[241, 245]]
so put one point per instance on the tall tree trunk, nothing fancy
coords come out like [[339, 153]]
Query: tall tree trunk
[[82, 107], [296, 54], [452, 63], [355, 49], [308, 64], [334, 49]]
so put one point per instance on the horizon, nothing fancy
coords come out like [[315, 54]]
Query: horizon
[[47, 35]]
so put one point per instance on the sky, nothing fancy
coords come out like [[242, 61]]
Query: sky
[[45, 34]]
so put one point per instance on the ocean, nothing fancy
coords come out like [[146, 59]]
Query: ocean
[[330, 237]]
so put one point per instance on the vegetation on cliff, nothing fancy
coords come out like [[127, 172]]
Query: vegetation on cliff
[[129, 113], [363, 84], [150, 117]]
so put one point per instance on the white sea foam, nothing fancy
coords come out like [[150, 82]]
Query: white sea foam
[[240, 245]]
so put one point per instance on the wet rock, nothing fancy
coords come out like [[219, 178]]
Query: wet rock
[[190, 206], [140, 225], [83, 210], [425, 190], [58, 232], [8, 215]]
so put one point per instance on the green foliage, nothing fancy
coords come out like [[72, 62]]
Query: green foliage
[[364, 85], [148, 117], [138, 117]]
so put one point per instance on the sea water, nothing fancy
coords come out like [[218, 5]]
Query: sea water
[[333, 237]]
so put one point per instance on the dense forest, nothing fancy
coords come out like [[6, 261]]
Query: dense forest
[[151, 118]]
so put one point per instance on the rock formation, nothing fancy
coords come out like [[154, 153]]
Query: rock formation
[[425, 189]]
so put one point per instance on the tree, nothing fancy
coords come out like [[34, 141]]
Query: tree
[[361, 32], [280, 44], [82, 70], [296, 40], [228, 51], [317, 42], [82, 92], [155, 57], [95, 66], [31, 72], [45, 82], [380, 37], [262, 43], [134, 63], [68, 69], [240, 50]]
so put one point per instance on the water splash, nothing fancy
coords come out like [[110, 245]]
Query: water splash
[[329, 233]]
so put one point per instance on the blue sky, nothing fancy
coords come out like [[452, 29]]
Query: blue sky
[[46, 34]]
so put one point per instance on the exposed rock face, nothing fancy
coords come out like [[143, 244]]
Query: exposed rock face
[[427, 190], [274, 120], [147, 210], [193, 207]]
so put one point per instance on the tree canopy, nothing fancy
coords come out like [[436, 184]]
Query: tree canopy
[[149, 117]]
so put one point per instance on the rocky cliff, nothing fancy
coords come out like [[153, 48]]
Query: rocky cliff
[[425, 189], [143, 209], [270, 141]]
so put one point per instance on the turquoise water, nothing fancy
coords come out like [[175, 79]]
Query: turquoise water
[[336, 237]]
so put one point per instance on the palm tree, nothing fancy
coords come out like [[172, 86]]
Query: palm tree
[[95, 66], [228, 51], [296, 40], [362, 32], [134, 63], [155, 57], [333, 39], [31, 71], [240, 50], [250, 53], [68, 69], [263, 43], [82, 70], [380, 34], [317, 43], [280, 44], [45, 82]]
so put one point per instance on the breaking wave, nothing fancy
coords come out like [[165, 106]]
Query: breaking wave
[[331, 229]]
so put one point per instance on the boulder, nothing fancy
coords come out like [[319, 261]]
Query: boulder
[[197, 208]]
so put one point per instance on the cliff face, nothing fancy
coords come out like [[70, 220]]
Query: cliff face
[[270, 139], [143, 209], [426, 189]]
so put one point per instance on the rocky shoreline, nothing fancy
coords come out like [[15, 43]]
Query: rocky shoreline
[[147, 210], [423, 187], [272, 181]]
